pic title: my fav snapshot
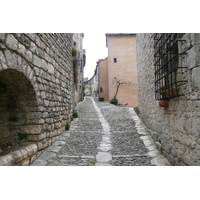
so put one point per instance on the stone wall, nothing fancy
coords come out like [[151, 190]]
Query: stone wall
[[176, 127], [78, 65], [91, 85], [36, 93]]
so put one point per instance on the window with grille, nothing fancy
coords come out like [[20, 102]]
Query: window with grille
[[167, 74]]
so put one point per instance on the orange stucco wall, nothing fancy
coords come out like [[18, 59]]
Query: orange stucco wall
[[103, 79], [123, 48]]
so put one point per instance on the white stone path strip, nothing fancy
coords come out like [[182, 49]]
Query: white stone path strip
[[157, 158], [103, 157]]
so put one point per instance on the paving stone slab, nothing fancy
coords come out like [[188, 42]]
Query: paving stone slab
[[160, 161], [153, 153], [66, 134], [39, 163], [103, 135], [47, 155], [147, 142], [54, 148], [103, 157], [59, 143], [102, 164]]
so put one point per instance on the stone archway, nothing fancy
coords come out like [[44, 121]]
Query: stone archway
[[18, 107]]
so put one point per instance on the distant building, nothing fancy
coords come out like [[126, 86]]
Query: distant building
[[119, 67], [91, 85], [103, 79], [79, 59]]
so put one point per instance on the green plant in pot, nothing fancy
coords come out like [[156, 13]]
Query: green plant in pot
[[75, 114], [67, 126], [114, 101]]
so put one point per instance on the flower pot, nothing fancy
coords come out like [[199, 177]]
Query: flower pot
[[164, 104]]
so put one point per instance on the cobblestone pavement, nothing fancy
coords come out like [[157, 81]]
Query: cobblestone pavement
[[103, 135]]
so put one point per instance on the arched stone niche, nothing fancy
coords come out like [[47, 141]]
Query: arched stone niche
[[19, 116]]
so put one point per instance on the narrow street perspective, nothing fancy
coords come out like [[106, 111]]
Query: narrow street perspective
[[137, 104], [103, 135]]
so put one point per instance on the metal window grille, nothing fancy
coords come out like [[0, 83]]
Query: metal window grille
[[166, 54]]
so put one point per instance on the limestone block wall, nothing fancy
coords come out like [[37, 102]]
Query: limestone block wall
[[176, 127], [78, 65], [36, 77]]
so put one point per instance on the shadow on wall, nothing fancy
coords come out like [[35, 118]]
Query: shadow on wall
[[19, 116]]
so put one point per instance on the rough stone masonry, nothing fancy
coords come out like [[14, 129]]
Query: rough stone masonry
[[177, 126], [36, 77]]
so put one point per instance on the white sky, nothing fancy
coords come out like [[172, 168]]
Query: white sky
[[95, 46]]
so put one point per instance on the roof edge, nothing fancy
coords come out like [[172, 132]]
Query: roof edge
[[117, 34]]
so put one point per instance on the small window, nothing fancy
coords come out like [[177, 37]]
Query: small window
[[115, 60], [167, 67]]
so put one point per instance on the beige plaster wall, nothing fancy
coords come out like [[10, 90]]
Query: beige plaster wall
[[123, 47], [103, 79]]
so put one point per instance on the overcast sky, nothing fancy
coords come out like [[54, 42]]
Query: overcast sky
[[95, 46]]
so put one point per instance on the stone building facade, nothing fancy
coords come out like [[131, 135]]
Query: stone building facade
[[78, 67], [36, 93], [175, 121], [91, 86], [122, 67]]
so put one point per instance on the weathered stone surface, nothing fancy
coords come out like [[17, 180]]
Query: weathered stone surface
[[103, 157], [31, 149], [1, 162], [147, 143], [2, 36], [30, 129], [28, 56], [18, 156], [81, 146], [39, 163], [37, 61], [11, 42], [37, 85], [7, 160], [54, 148], [102, 164], [160, 161], [195, 78], [59, 143], [66, 134], [25, 162], [47, 155], [175, 127], [2, 58], [50, 68], [21, 49]]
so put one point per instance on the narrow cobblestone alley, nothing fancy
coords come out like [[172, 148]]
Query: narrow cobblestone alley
[[103, 135]]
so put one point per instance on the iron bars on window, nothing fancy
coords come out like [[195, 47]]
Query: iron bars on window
[[167, 75]]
